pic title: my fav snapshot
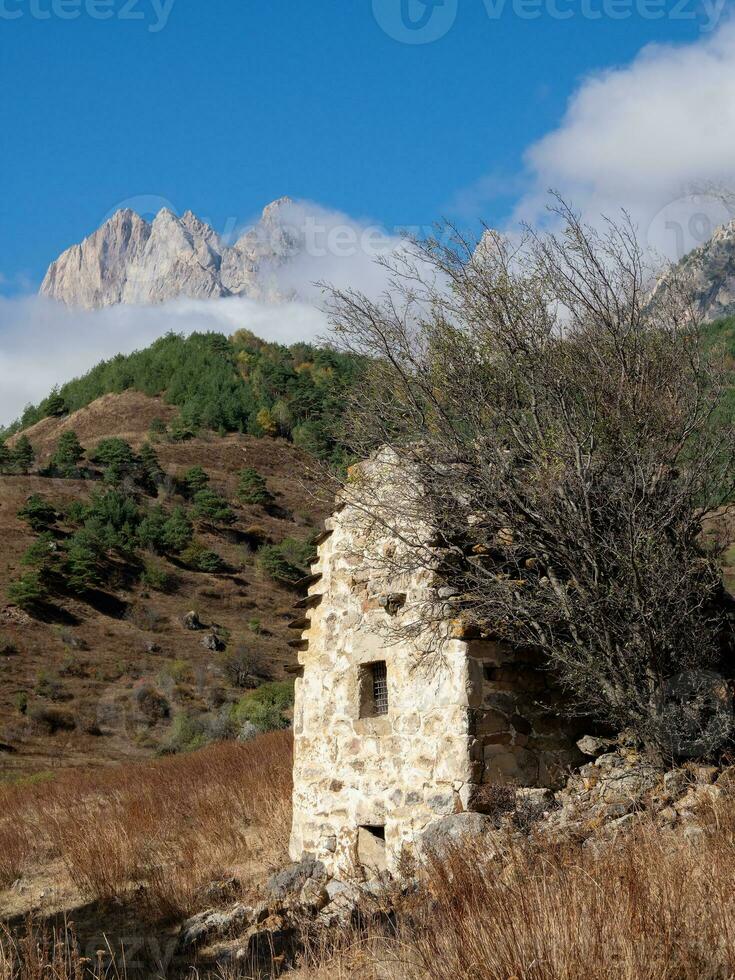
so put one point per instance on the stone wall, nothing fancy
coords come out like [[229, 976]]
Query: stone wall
[[398, 771], [519, 734]]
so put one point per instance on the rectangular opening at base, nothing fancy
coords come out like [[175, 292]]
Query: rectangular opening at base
[[371, 847]]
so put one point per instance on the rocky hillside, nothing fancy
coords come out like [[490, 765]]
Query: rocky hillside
[[120, 669], [129, 260], [710, 270]]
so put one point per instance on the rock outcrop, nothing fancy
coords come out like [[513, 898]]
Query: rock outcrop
[[710, 273], [129, 260]]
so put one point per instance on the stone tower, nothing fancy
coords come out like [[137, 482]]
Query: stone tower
[[389, 738]]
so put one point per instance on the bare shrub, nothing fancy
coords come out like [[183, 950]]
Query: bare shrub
[[152, 704], [245, 666], [562, 427]]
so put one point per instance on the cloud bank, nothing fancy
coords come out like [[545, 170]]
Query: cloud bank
[[656, 136], [43, 343]]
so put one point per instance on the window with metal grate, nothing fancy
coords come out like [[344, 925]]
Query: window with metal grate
[[380, 687]]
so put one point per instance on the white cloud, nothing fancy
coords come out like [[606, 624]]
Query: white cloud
[[43, 343], [331, 247], [643, 137]]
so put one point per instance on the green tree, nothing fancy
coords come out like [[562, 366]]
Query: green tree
[[23, 455], [4, 456], [54, 406], [151, 473], [82, 567], [42, 556], [117, 459], [38, 513], [69, 453], [157, 428], [273, 562], [113, 517], [177, 531], [209, 506], [201, 559], [27, 592], [252, 488], [180, 430], [151, 532], [194, 480]]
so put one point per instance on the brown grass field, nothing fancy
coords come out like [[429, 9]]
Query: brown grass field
[[131, 850]]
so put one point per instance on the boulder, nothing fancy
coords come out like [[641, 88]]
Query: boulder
[[212, 642], [593, 746], [313, 896], [212, 924], [287, 884], [191, 621], [454, 828]]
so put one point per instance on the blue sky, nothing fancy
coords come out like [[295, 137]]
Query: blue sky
[[221, 106]]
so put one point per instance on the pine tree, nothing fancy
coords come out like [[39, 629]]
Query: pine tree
[[69, 453], [209, 506], [38, 513], [55, 404], [252, 488], [195, 480], [117, 459], [177, 531], [42, 555], [27, 591], [23, 455], [151, 533], [82, 562], [151, 472]]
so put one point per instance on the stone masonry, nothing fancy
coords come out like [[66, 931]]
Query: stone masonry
[[388, 739]]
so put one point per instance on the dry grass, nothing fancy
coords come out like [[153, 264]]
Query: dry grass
[[651, 906], [164, 828]]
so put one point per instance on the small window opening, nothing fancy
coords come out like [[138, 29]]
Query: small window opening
[[380, 691], [371, 851], [374, 689]]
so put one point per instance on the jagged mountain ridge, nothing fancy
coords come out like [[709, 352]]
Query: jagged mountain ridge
[[709, 273], [131, 260]]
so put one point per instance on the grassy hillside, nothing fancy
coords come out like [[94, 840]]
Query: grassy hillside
[[171, 480], [102, 667]]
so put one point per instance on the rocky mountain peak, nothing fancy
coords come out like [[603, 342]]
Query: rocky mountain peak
[[131, 260]]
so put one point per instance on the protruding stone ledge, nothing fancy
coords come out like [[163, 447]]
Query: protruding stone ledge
[[309, 601]]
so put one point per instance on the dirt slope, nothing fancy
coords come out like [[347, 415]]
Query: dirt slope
[[90, 661]]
